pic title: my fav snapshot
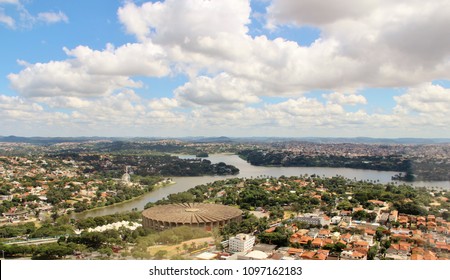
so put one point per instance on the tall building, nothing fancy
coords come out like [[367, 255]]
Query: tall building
[[241, 243]]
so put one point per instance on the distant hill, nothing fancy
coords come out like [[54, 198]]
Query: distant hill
[[368, 140], [340, 140], [221, 139], [48, 140], [224, 139]]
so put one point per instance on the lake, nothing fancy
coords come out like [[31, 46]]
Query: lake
[[247, 171]]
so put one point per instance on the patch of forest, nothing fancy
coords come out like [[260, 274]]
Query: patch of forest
[[114, 166], [412, 168]]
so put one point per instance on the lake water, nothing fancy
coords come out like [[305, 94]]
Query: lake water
[[248, 171]]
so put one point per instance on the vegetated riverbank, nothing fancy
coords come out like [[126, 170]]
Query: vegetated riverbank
[[410, 168], [155, 187]]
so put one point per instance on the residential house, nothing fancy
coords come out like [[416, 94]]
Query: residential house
[[442, 246], [346, 213], [325, 220], [393, 216], [321, 255], [378, 203], [383, 218], [347, 238], [317, 243], [431, 218], [369, 231], [324, 233], [361, 246], [327, 241], [308, 255], [305, 240], [335, 236], [295, 251], [398, 251], [403, 220], [313, 233], [336, 220], [269, 249], [254, 255], [421, 221], [429, 255], [352, 255]]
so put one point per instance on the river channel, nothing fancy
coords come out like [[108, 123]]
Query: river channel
[[246, 171]]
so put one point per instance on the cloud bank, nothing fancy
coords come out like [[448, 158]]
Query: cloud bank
[[240, 84]]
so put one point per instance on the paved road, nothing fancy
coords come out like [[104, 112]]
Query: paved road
[[34, 241]]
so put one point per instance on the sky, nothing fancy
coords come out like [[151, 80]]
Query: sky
[[238, 68]]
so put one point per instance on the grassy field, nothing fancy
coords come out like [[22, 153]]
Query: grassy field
[[177, 249]]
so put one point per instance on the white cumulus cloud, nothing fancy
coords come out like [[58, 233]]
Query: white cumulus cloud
[[345, 99], [174, 21], [7, 20], [91, 72], [22, 18], [128, 60], [9, 2], [363, 44], [52, 17], [426, 99], [400, 42], [63, 78], [222, 90]]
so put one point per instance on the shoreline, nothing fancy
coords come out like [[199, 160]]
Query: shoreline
[[122, 202]]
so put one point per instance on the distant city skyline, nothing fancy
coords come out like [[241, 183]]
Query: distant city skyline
[[174, 68]]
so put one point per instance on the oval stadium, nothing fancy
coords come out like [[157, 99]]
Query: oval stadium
[[201, 215]]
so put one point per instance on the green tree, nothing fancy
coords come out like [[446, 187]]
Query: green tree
[[106, 251], [344, 205], [279, 237], [51, 251], [160, 254], [372, 252]]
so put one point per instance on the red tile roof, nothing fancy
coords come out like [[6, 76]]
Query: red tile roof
[[293, 251], [308, 255], [416, 257], [272, 229], [322, 255], [317, 242]]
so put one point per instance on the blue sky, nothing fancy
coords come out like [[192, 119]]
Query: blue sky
[[236, 68]]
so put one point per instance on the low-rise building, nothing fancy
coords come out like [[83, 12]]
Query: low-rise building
[[241, 243], [393, 216], [336, 220], [315, 221], [266, 248], [6, 197], [352, 255], [254, 255], [383, 218], [324, 233]]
